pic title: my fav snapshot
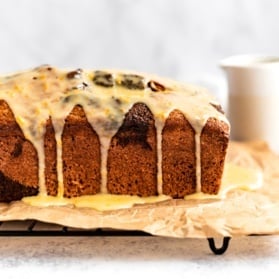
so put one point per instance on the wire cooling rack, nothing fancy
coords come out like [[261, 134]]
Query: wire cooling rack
[[33, 228]]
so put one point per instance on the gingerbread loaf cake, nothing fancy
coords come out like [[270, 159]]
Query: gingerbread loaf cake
[[79, 133]]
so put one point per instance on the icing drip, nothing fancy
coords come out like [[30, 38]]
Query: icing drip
[[159, 129], [39, 145], [58, 137], [106, 96], [198, 161], [104, 158]]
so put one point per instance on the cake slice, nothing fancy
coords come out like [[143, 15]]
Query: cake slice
[[80, 155], [132, 155], [18, 159], [179, 158]]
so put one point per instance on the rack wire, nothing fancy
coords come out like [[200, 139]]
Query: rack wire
[[33, 228]]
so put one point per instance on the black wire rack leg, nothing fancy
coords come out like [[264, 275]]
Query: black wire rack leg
[[222, 249]]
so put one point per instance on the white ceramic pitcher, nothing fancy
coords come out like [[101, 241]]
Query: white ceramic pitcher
[[253, 97]]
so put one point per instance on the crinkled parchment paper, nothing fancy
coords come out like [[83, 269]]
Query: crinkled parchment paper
[[240, 213]]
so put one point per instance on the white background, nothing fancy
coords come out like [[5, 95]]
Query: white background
[[137, 258], [183, 39]]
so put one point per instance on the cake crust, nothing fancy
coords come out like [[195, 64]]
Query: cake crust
[[214, 143], [178, 156], [132, 155], [50, 149], [18, 159], [81, 156]]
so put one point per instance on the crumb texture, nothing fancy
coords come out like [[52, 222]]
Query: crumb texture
[[132, 156]]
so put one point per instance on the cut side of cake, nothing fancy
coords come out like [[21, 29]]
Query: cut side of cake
[[84, 132]]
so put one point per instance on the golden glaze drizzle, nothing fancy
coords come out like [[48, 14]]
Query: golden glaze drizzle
[[47, 91], [234, 178]]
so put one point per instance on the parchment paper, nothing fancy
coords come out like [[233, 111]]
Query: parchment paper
[[240, 213]]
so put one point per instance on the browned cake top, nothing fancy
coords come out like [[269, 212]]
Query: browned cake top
[[105, 96]]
